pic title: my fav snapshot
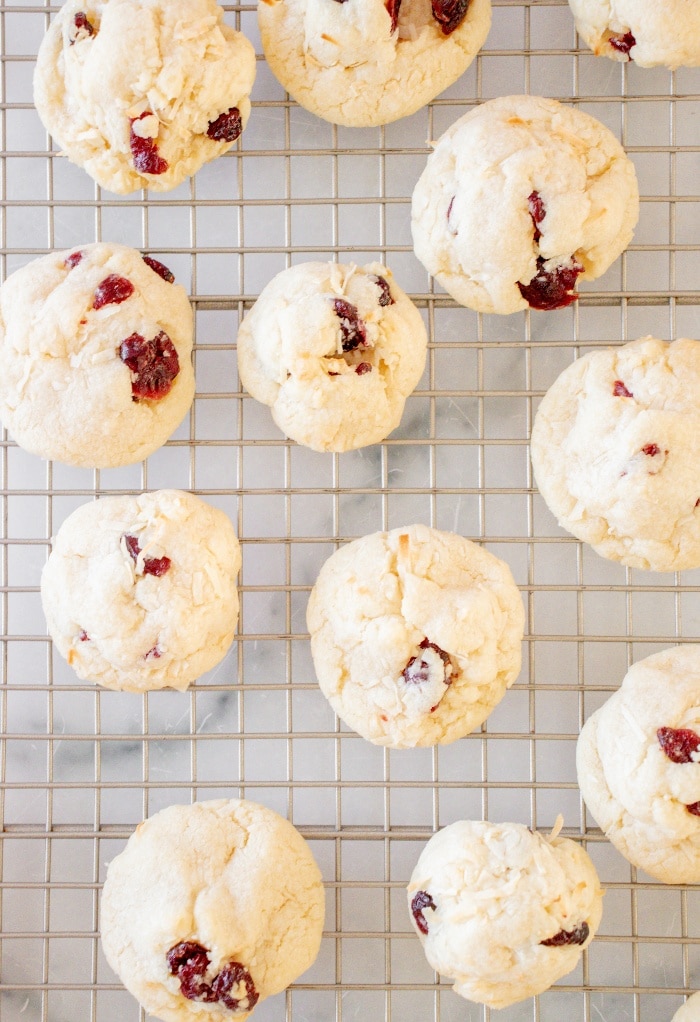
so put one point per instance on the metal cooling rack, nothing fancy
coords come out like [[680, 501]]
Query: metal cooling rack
[[80, 767]]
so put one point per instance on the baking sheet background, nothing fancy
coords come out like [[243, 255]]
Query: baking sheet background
[[81, 767]]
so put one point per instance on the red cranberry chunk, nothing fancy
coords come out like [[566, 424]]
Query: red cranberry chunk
[[84, 29], [160, 269], [694, 808], [421, 900], [153, 654], [113, 290], [623, 43], [72, 260], [83, 637], [551, 288], [363, 367], [227, 126], [679, 744], [352, 328], [144, 151], [383, 285], [157, 566], [229, 978], [449, 14], [579, 935], [537, 212], [154, 365], [392, 7], [418, 670], [620, 390], [651, 450], [189, 962], [132, 545]]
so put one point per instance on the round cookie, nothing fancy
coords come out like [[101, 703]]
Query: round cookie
[[644, 31], [690, 1011], [95, 355], [368, 62], [520, 197], [141, 93], [334, 350], [415, 635], [210, 908], [638, 762], [140, 592], [503, 910], [616, 452]]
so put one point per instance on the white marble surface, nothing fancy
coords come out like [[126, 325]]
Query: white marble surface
[[81, 766]]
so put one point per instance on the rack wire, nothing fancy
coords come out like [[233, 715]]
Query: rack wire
[[80, 767]]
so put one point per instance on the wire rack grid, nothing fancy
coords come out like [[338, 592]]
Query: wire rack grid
[[80, 767]]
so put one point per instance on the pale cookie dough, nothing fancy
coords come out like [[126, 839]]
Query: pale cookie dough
[[368, 62], [690, 1011], [638, 761], [95, 355], [210, 908], [140, 592], [334, 350], [616, 452], [520, 197], [644, 31], [415, 635], [141, 93], [503, 910]]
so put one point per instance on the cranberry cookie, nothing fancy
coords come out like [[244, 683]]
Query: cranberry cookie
[[505, 911], [616, 452], [690, 1011], [368, 62], [638, 761], [644, 31], [519, 198], [141, 93], [334, 351], [140, 592], [95, 355], [415, 635], [210, 908]]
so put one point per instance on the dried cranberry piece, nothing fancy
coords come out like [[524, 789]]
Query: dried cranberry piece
[[113, 290], [551, 289], [228, 978], [84, 29], [157, 566], [83, 637], [417, 670], [392, 7], [72, 260], [144, 151], [679, 744], [132, 545], [154, 364], [383, 285], [362, 368], [694, 808], [153, 654], [227, 126], [189, 962], [160, 269], [537, 211], [421, 900], [620, 390], [449, 13], [351, 326], [579, 935], [651, 450], [623, 43]]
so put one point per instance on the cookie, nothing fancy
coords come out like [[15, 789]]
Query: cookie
[[95, 355], [210, 908], [368, 62], [646, 32], [141, 93], [519, 198], [334, 350], [140, 593], [415, 635], [690, 1011], [638, 762], [503, 910], [616, 452]]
